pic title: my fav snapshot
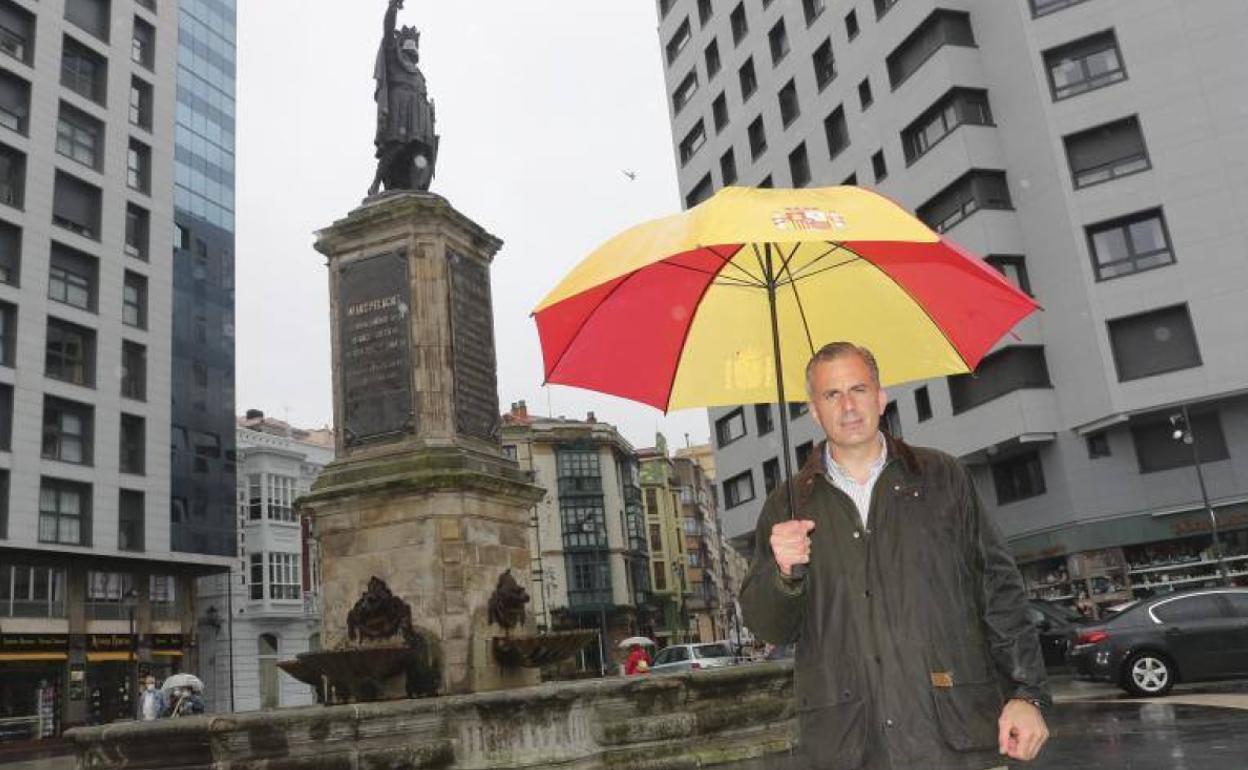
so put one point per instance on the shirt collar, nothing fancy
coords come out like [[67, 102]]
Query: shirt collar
[[837, 471]]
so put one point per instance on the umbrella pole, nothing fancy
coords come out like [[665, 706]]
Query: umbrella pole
[[799, 570]]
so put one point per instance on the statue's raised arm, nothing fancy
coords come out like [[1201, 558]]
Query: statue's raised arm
[[407, 146]]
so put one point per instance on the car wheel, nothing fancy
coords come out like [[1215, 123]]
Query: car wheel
[[1148, 674]]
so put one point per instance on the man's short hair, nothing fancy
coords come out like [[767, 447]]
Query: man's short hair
[[841, 349]]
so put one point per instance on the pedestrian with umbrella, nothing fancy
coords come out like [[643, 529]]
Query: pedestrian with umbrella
[[638, 661], [915, 649]]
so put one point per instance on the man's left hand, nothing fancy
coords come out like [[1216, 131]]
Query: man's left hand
[[1021, 730]]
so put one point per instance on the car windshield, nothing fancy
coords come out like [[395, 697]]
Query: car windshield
[[711, 651]]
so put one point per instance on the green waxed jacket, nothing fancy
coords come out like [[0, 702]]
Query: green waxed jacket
[[911, 633]]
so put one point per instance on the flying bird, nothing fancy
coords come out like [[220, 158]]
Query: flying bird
[[632, 175]]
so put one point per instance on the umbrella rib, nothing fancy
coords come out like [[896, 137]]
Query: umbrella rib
[[800, 309], [835, 247], [803, 276], [715, 276], [728, 261]]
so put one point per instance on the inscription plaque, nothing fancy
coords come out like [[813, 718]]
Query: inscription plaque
[[472, 343], [374, 340]]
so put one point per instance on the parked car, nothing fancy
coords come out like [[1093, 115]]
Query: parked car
[[1195, 636], [692, 657], [1055, 624]]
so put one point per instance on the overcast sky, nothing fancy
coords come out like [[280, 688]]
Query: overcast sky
[[542, 106]]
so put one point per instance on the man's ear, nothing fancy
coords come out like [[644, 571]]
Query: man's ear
[[883, 396]]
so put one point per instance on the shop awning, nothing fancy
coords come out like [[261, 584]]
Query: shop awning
[[14, 656], [166, 653], [101, 657]]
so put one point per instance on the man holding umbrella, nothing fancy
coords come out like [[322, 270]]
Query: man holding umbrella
[[915, 649]]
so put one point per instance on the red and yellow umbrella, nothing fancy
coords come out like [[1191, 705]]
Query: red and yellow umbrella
[[695, 309]]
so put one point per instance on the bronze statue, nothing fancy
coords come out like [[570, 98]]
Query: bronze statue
[[407, 146], [507, 602], [379, 614]]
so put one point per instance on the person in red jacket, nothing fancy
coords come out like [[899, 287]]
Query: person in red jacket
[[638, 661]]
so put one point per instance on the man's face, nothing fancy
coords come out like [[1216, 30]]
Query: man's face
[[846, 402]]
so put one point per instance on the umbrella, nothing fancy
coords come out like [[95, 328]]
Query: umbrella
[[189, 681], [630, 641], [697, 308]]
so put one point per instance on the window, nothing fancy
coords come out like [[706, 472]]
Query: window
[[719, 112], [14, 100], [685, 91], [660, 576], [255, 496], [67, 430], [890, 421], [1014, 268], [766, 183], [837, 132], [976, 189], [865, 99], [730, 427], [878, 166], [134, 300], [285, 579], [1107, 152], [797, 409], [758, 138], [851, 25], [778, 40], [12, 177], [740, 27], [824, 63], [1018, 367], [664, 7], [70, 353], [1044, 7], [73, 277], [803, 452], [763, 419], [148, 4], [923, 404], [790, 109], [5, 572], [882, 7], [1084, 65], [656, 538], [1098, 445], [257, 577], [728, 167], [6, 442], [80, 137], [692, 142], [17, 32], [8, 333], [83, 71], [705, 12], [1155, 342], [939, 29], [958, 106], [748, 80], [771, 474], [139, 166], [1189, 608], [130, 508], [713, 62], [31, 592], [739, 489], [10, 255], [1156, 448], [680, 38], [700, 192], [281, 500], [799, 166], [132, 458], [76, 206], [89, 15], [138, 231], [64, 512], [140, 104], [1131, 244], [143, 44], [133, 370], [811, 10], [1018, 478], [589, 579]]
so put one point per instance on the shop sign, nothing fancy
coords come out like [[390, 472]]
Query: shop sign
[[110, 642], [1194, 524], [34, 642], [170, 642]]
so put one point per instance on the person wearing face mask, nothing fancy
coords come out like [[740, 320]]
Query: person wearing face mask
[[152, 704], [913, 645]]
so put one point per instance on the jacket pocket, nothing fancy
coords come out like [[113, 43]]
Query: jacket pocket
[[834, 735], [968, 714]]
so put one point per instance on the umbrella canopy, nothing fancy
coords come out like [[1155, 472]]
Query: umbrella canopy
[[690, 310], [189, 681], [630, 641]]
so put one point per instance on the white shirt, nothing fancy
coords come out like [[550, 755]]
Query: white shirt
[[859, 493]]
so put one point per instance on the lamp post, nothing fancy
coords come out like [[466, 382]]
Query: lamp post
[[128, 600], [1183, 431]]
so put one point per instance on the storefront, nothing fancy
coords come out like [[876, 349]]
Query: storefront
[[1095, 565], [32, 683]]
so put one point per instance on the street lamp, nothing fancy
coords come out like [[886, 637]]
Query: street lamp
[[1183, 431], [128, 600]]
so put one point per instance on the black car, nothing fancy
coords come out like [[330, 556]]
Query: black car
[[1055, 624], [1193, 636]]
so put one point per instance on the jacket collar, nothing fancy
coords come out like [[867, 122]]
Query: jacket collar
[[816, 463]]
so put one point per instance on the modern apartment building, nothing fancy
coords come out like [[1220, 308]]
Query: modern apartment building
[[267, 608], [97, 563], [1089, 150]]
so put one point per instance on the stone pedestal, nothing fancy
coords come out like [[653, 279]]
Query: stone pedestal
[[420, 494]]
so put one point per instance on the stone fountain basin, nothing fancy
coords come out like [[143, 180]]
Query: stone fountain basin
[[535, 651], [364, 673]]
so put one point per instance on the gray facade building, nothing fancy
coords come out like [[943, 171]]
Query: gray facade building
[[1092, 151]]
